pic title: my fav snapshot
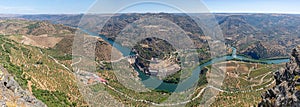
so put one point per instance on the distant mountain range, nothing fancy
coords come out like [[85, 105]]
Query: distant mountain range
[[39, 51], [259, 36]]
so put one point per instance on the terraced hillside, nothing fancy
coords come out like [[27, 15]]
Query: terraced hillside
[[38, 54], [38, 73], [277, 34], [38, 60], [244, 83]]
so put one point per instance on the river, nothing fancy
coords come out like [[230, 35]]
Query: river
[[157, 84]]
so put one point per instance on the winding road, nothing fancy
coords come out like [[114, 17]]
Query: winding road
[[187, 101]]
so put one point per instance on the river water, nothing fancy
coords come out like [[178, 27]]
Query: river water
[[157, 84]]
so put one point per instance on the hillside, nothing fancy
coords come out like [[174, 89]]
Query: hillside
[[39, 54], [276, 31], [13, 95], [36, 57], [243, 31], [35, 33], [261, 49], [44, 34], [37, 73], [34, 28], [287, 89]]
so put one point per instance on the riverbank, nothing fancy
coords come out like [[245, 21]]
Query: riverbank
[[157, 84]]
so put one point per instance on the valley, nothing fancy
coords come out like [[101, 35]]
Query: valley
[[102, 68]]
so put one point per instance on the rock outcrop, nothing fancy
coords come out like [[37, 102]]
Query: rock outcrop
[[12, 95], [286, 93]]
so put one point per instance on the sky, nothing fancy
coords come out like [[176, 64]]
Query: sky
[[94, 6]]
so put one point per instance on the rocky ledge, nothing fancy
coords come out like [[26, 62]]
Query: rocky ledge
[[286, 93], [12, 95]]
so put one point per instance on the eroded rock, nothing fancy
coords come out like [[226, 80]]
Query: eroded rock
[[285, 93]]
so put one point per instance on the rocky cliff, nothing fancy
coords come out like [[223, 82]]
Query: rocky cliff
[[287, 91], [12, 95]]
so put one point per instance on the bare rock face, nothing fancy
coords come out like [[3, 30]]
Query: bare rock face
[[285, 93], [11, 94]]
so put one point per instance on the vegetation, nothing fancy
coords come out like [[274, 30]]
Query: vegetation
[[202, 79], [175, 78], [52, 98], [19, 77], [156, 96], [152, 48], [106, 66], [181, 75], [238, 99], [11, 68], [57, 54], [32, 26], [26, 63]]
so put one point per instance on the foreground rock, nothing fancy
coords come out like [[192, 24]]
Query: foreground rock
[[286, 92], [12, 95]]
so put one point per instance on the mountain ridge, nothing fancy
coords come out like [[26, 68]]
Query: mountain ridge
[[240, 30]]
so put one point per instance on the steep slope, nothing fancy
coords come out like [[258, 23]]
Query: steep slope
[[259, 50], [34, 28], [37, 58], [236, 26], [102, 49], [287, 89], [35, 33], [275, 31], [13, 95], [239, 30], [44, 34], [37, 72]]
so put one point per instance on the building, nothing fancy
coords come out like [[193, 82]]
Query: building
[[153, 72]]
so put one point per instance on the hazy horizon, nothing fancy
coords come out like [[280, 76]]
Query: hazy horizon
[[11, 14], [212, 6]]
